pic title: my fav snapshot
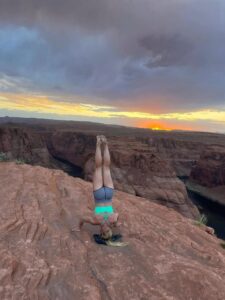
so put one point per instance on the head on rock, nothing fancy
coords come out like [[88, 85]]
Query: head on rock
[[106, 231]]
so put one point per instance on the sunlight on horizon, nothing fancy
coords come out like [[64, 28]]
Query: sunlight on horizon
[[45, 105]]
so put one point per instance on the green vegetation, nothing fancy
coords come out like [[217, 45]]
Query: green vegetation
[[19, 161], [202, 220], [3, 157]]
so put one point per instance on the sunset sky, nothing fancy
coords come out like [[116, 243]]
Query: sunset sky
[[148, 63]]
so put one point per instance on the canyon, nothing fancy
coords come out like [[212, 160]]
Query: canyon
[[145, 163]]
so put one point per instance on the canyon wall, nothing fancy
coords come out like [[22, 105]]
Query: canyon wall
[[208, 177]]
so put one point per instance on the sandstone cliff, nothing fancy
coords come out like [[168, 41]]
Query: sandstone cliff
[[25, 144], [208, 177], [181, 154], [210, 169], [167, 258]]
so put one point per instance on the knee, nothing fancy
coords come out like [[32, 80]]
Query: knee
[[98, 164], [106, 164]]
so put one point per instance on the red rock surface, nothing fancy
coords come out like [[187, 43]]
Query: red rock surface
[[168, 257]]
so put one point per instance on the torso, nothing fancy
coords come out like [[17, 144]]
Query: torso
[[103, 203]]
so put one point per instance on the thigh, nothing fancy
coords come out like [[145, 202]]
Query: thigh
[[97, 179], [107, 179]]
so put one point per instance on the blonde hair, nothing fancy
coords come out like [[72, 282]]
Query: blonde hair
[[106, 234], [116, 244]]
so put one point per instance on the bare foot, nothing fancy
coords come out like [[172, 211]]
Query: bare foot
[[104, 140], [99, 140]]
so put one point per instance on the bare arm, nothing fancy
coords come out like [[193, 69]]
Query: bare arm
[[86, 219], [118, 223], [89, 220], [114, 220]]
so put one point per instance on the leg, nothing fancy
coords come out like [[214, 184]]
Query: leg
[[107, 179], [97, 178]]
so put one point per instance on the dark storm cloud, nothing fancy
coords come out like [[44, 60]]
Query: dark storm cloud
[[121, 51], [167, 50]]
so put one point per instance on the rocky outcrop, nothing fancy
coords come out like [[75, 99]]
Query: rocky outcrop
[[167, 257]]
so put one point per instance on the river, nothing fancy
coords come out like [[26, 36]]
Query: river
[[214, 212]]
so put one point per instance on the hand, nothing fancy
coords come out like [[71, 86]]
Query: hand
[[78, 228], [113, 218], [75, 229], [118, 224]]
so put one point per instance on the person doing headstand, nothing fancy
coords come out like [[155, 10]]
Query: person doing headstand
[[104, 214]]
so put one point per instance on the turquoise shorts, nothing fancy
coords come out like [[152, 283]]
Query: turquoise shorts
[[104, 210]]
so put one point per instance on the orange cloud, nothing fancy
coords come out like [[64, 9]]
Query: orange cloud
[[43, 104]]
